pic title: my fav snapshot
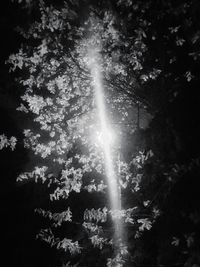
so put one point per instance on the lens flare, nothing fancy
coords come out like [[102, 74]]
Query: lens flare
[[106, 139]]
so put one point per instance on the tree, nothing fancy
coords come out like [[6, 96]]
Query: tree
[[172, 37], [135, 55], [58, 96]]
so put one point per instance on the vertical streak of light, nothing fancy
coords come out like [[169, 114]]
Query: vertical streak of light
[[109, 166]]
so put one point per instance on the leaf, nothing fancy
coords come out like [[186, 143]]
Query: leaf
[[175, 242], [189, 76], [174, 29], [179, 41], [98, 241], [189, 239], [146, 203], [145, 224], [5, 142]]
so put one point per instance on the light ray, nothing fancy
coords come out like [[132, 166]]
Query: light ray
[[106, 142]]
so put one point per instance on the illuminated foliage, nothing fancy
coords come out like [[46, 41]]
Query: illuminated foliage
[[6, 142], [134, 58]]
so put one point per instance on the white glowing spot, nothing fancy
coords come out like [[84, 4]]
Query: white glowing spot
[[106, 137]]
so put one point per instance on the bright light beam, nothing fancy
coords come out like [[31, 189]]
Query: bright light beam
[[106, 140]]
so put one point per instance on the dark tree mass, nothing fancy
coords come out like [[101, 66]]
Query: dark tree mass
[[99, 136]]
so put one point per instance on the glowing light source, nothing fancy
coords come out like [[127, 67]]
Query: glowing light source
[[106, 137]]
